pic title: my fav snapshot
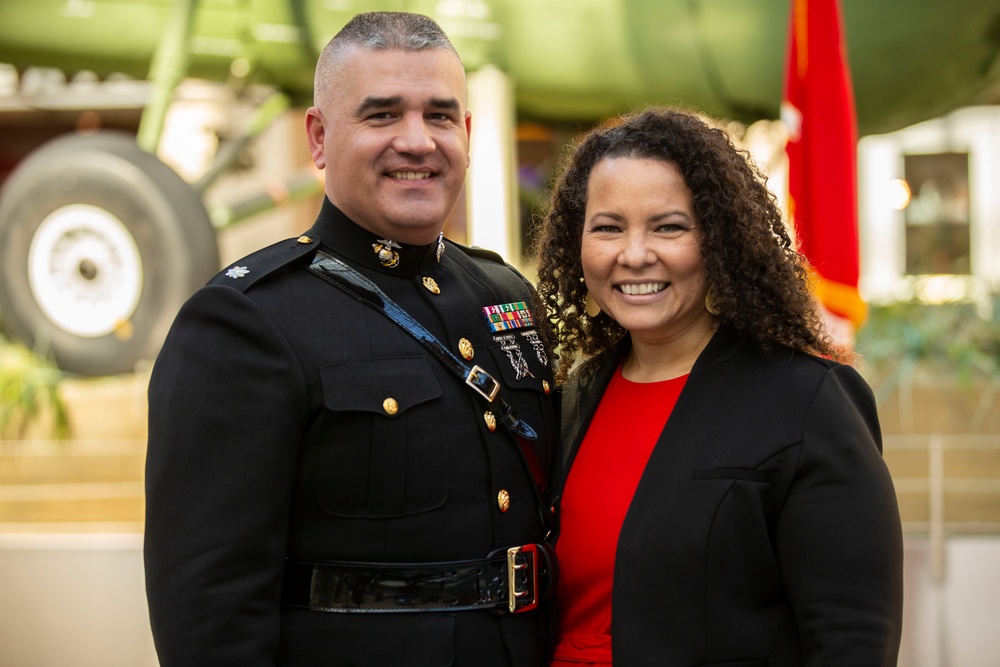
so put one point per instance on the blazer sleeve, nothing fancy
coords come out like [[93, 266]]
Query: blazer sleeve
[[226, 408], [839, 538]]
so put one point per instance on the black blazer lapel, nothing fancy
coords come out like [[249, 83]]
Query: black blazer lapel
[[579, 399], [583, 392]]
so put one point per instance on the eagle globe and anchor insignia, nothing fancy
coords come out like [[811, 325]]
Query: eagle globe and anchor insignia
[[387, 252]]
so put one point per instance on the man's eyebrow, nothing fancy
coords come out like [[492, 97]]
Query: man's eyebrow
[[373, 103], [450, 104]]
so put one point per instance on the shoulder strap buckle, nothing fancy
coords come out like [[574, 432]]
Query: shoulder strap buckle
[[483, 383]]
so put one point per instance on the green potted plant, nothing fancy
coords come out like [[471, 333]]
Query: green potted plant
[[29, 393]]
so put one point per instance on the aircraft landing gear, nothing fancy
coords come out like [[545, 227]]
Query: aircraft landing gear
[[101, 243]]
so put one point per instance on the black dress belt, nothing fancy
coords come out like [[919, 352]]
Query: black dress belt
[[512, 581]]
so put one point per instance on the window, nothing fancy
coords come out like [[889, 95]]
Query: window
[[937, 214]]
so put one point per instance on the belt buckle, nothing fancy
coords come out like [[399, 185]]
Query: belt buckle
[[473, 380], [519, 558]]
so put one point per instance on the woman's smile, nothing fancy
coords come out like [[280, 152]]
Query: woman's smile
[[641, 288]]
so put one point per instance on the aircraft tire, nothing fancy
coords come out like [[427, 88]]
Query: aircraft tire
[[100, 245]]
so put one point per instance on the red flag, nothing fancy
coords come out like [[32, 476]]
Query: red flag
[[818, 109]]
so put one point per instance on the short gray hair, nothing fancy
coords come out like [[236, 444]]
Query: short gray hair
[[377, 31]]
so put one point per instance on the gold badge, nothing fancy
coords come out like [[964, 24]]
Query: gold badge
[[491, 421], [431, 285], [465, 349], [503, 500], [536, 343], [386, 251], [545, 386], [508, 343], [440, 246]]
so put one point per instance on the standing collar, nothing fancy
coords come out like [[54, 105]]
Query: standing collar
[[346, 238]]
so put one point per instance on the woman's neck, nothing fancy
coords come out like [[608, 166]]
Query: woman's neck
[[657, 359]]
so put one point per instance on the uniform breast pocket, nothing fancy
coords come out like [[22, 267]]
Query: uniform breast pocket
[[522, 359], [524, 371], [383, 456]]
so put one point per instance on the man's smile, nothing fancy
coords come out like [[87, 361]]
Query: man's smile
[[410, 175]]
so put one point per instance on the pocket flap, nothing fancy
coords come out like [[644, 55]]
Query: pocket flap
[[364, 385], [764, 476]]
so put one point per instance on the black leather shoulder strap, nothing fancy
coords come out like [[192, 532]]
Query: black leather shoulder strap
[[484, 385]]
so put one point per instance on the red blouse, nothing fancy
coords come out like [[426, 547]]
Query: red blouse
[[598, 492]]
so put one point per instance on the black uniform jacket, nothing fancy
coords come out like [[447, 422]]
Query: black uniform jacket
[[288, 420], [765, 529]]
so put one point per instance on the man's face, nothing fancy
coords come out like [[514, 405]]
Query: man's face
[[394, 140]]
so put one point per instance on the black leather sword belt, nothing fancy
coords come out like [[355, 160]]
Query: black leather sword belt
[[511, 581]]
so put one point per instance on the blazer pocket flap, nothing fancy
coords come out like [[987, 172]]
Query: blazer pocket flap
[[385, 386], [747, 474]]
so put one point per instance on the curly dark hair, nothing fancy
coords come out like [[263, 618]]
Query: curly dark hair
[[758, 281]]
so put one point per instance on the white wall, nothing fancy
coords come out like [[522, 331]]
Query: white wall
[[73, 600], [954, 622]]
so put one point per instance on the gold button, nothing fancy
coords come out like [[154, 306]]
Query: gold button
[[304, 239], [503, 500], [431, 285], [390, 406], [465, 348], [491, 421], [545, 386]]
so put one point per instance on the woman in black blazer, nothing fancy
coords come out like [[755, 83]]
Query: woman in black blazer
[[722, 495]]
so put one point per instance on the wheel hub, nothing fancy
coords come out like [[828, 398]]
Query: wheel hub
[[85, 270], [88, 269]]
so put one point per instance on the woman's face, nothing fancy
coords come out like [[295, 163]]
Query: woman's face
[[641, 249]]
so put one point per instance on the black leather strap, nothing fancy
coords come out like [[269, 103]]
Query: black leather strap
[[521, 574], [484, 385]]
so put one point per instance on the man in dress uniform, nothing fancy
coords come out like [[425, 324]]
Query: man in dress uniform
[[348, 429]]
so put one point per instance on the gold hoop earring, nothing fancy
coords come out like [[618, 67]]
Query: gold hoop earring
[[710, 305], [592, 308]]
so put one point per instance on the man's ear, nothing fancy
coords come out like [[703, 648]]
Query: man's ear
[[468, 134], [316, 133]]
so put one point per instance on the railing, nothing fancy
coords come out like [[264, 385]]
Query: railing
[[947, 485], [80, 485]]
